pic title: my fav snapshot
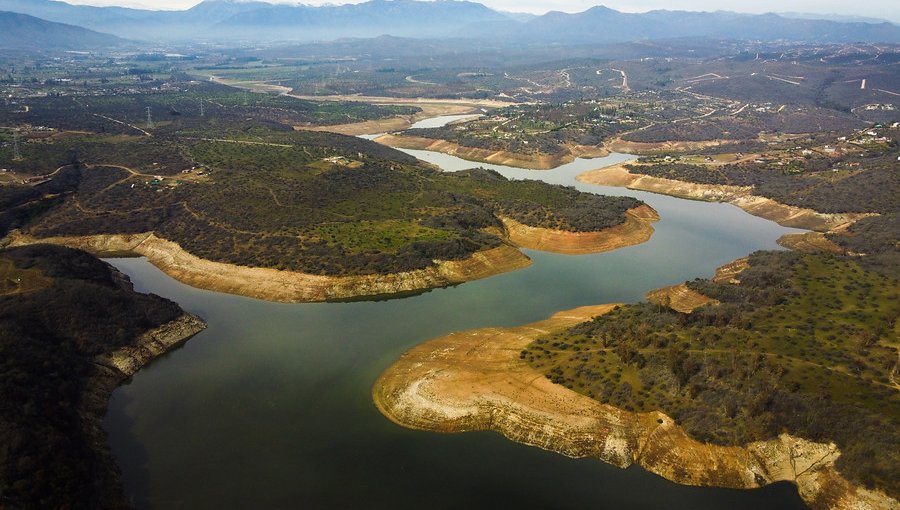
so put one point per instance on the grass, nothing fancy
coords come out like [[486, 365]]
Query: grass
[[386, 236]]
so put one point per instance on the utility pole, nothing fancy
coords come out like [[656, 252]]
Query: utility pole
[[149, 119], [17, 154]]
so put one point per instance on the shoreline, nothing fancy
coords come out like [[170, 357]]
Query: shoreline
[[636, 229], [740, 196], [289, 286], [475, 381], [296, 287], [397, 123], [476, 155], [115, 368], [430, 108]]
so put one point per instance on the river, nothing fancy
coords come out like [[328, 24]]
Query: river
[[270, 406]]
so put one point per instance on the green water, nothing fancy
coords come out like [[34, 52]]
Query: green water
[[270, 406]]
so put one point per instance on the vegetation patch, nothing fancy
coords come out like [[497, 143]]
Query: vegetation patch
[[804, 343]]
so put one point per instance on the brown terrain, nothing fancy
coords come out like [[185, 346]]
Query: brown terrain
[[809, 241], [785, 215], [636, 229], [520, 160], [474, 380], [679, 298]]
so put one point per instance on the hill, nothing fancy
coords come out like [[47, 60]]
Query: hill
[[20, 31], [67, 322]]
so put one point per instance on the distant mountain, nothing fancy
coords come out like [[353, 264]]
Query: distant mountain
[[20, 31], [409, 18], [136, 23], [603, 25], [231, 20], [842, 18]]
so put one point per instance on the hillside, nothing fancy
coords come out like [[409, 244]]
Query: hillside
[[66, 321], [20, 31]]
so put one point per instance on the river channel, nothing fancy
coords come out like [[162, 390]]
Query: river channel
[[270, 406]]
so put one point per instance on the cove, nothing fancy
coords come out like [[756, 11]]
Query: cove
[[270, 406]]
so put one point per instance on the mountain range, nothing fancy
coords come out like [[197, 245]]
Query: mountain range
[[20, 31], [235, 20]]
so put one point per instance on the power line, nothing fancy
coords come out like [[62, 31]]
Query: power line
[[17, 154]]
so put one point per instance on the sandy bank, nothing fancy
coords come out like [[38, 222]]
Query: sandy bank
[[520, 160], [636, 229], [785, 215], [474, 380], [289, 286]]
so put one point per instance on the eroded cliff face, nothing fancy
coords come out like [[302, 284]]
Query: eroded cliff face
[[113, 369], [474, 380], [785, 215]]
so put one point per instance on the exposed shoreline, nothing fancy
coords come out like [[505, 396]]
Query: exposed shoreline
[[636, 229], [289, 286], [475, 380], [740, 196], [476, 155], [111, 370], [297, 287]]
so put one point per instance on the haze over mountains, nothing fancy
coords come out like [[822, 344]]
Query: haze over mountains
[[233, 20], [20, 31]]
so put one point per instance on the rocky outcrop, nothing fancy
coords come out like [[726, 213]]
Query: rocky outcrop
[[785, 215], [636, 229], [474, 380], [113, 369], [537, 161]]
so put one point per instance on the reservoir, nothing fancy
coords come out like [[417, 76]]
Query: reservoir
[[270, 406]]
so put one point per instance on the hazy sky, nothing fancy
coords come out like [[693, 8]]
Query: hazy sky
[[886, 9]]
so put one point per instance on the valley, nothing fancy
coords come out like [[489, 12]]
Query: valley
[[383, 220]]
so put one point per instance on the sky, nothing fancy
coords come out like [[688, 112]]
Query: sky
[[885, 9]]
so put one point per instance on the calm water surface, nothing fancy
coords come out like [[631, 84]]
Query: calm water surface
[[270, 406]]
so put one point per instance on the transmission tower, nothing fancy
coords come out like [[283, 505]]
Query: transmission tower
[[202, 112], [17, 154], [149, 119]]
